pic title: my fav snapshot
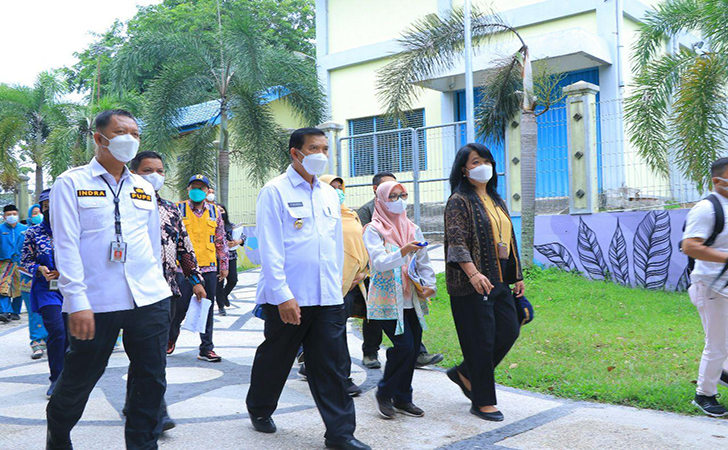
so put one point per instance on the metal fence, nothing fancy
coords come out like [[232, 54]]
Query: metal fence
[[626, 180]]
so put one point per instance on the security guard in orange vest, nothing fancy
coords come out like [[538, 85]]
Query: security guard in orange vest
[[207, 233]]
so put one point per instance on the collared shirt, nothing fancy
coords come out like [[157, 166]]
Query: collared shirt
[[221, 247], [38, 251], [176, 246], [301, 242], [11, 241], [82, 214]]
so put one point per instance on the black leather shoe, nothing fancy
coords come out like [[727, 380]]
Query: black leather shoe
[[351, 444], [168, 423], [55, 443], [454, 376], [263, 424], [491, 416]]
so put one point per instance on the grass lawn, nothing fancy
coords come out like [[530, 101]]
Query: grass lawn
[[594, 340], [243, 262]]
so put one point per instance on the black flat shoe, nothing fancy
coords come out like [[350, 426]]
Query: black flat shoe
[[454, 376], [263, 424], [491, 416], [351, 444]]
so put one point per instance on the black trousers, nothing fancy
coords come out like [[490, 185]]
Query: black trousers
[[182, 304], [323, 334], [225, 287], [396, 384], [487, 328], [371, 331], [145, 340], [56, 342]]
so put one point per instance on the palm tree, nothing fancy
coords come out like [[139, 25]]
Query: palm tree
[[433, 44], [238, 71], [678, 108], [28, 116]]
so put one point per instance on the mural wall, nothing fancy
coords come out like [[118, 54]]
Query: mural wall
[[631, 248]]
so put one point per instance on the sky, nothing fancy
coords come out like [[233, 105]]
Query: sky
[[37, 35]]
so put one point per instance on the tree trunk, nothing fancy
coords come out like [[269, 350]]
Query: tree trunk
[[223, 161], [38, 181], [529, 143]]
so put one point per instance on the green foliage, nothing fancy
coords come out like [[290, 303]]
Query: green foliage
[[678, 107], [595, 341]]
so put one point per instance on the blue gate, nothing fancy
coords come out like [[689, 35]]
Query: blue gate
[[552, 172]]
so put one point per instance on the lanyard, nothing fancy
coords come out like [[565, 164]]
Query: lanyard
[[117, 214]]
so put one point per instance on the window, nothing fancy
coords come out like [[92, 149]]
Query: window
[[388, 150]]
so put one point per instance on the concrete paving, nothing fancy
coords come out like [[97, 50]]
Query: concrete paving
[[208, 402]]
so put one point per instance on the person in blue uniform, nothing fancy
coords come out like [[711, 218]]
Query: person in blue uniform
[[45, 298], [38, 333], [12, 234]]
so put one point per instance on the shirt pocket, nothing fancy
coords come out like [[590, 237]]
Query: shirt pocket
[[331, 216], [142, 210], [297, 220], [94, 213]]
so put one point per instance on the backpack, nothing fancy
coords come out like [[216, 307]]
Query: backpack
[[717, 228]]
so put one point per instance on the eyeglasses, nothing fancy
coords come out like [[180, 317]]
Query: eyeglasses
[[395, 197]]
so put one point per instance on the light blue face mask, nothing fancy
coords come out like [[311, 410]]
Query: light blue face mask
[[197, 195], [12, 220], [342, 196], [36, 219]]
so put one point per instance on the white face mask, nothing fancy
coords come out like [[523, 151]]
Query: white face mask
[[155, 179], [314, 164], [397, 207], [482, 174], [210, 198], [12, 219], [123, 147]]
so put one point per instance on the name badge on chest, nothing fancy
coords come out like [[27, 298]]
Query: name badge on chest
[[118, 252], [53, 285]]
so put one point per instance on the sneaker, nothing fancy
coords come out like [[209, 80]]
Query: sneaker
[[171, 345], [37, 352], [210, 356], [5, 318], [222, 312], [427, 359], [409, 409], [14, 316], [723, 379], [49, 392], [302, 371], [351, 388], [371, 362], [710, 405], [386, 409], [43, 345]]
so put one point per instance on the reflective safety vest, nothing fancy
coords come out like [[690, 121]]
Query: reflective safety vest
[[202, 233]]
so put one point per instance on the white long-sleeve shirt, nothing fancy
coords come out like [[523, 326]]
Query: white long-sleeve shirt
[[382, 261], [300, 241], [82, 216]]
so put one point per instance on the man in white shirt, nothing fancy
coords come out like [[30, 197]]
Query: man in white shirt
[[302, 259], [108, 252], [707, 291]]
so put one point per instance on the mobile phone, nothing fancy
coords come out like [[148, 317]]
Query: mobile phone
[[423, 244]]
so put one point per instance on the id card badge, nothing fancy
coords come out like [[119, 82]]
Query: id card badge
[[502, 250], [53, 285], [118, 252]]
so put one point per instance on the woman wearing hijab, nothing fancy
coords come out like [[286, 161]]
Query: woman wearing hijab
[[45, 298], [482, 264], [38, 334], [398, 302]]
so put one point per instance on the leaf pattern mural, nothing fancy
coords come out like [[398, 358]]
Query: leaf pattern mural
[[590, 253], [558, 255], [652, 250], [618, 257]]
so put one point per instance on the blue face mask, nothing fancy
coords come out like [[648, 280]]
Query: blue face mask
[[197, 195], [35, 220], [12, 220], [342, 196]]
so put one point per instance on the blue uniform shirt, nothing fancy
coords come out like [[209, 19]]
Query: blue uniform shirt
[[11, 241], [38, 251]]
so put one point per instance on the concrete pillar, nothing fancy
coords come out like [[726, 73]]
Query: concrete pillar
[[332, 131], [22, 197], [513, 166], [582, 147]]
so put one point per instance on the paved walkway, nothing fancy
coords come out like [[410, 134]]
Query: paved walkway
[[208, 402]]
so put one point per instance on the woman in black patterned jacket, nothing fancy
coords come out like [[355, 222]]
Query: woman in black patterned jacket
[[482, 263]]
